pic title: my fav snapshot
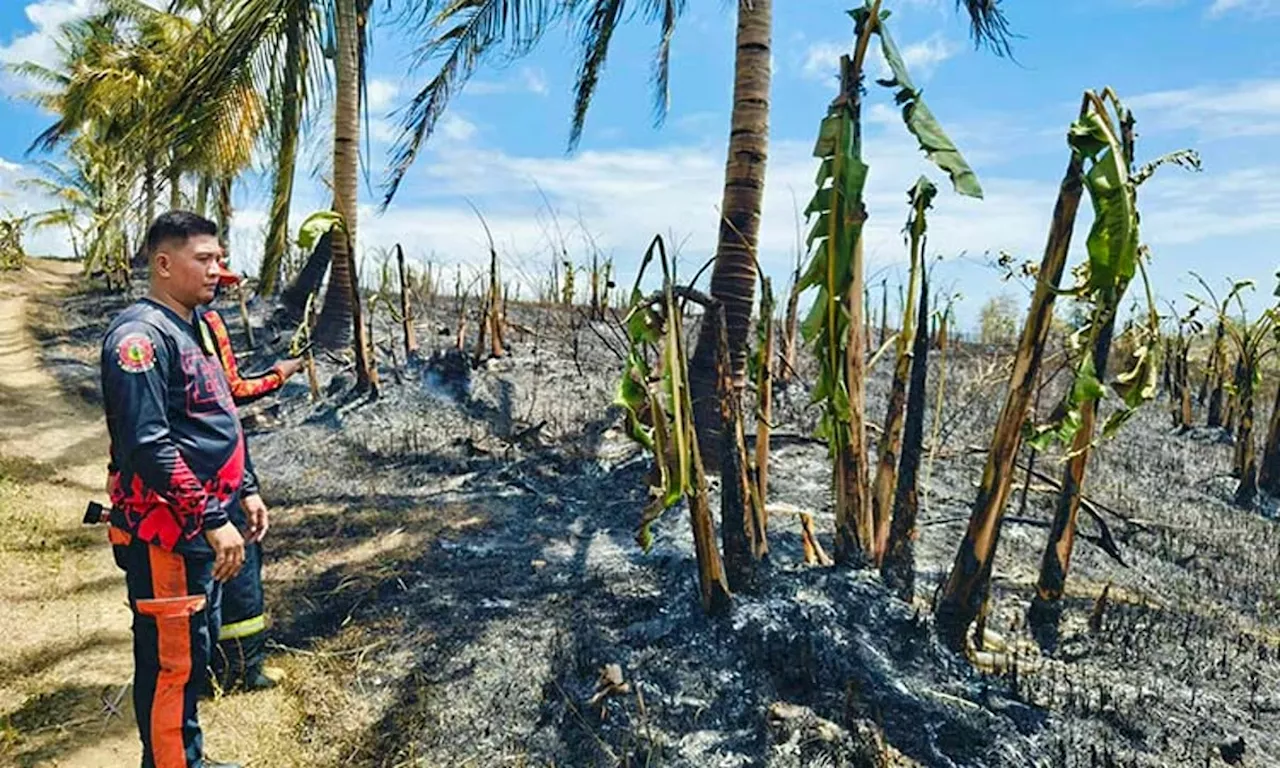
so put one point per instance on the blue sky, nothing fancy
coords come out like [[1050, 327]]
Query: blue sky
[[1197, 73]]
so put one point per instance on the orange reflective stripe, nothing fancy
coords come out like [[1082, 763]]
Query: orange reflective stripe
[[223, 341], [119, 536], [171, 607]]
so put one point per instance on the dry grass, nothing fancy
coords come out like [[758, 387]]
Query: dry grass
[[64, 678]]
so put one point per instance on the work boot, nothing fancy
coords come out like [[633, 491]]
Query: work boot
[[256, 680]]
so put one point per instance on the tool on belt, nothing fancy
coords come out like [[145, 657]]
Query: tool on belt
[[96, 514]]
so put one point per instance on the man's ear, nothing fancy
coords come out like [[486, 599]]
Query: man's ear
[[161, 263]]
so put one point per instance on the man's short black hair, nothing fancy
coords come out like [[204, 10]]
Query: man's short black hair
[[177, 225]]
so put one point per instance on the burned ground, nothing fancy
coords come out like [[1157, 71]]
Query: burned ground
[[458, 558]]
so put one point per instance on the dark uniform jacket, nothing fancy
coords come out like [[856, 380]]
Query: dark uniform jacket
[[178, 460]]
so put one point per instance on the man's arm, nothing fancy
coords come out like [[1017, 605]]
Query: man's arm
[[135, 376], [244, 389]]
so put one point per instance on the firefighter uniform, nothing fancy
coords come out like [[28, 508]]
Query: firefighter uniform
[[178, 468], [241, 649]]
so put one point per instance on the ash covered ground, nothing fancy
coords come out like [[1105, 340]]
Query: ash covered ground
[[487, 515]]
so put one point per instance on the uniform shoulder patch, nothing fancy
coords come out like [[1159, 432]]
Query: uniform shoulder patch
[[135, 353]]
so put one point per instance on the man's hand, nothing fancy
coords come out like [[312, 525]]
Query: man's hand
[[228, 546], [290, 366], [256, 512]]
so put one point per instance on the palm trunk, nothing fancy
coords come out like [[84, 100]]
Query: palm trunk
[[336, 319], [277, 244], [175, 188], [899, 566], [149, 189], [1057, 553], [202, 193], [224, 208], [966, 585], [733, 279]]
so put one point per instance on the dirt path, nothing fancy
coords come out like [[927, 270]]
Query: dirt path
[[65, 661], [64, 656]]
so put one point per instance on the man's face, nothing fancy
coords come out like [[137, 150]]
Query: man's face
[[188, 269]]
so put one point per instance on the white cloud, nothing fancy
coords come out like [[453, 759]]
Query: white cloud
[[455, 128], [1249, 108], [923, 58], [1180, 208], [821, 60], [16, 201], [1255, 7], [381, 95], [39, 45], [46, 17]]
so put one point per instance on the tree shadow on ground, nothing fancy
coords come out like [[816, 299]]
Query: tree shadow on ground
[[38, 660], [56, 723]]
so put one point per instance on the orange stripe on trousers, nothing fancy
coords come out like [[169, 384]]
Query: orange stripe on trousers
[[173, 632]]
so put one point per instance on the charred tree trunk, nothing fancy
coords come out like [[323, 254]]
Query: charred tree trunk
[[899, 566], [1184, 387], [1056, 560], [1233, 398], [1164, 368], [1247, 491], [890, 447], [962, 594], [791, 331], [884, 311], [1269, 474], [406, 309], [1215, 366], [764, 420], [737, 523]]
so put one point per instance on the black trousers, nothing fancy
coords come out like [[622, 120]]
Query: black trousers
[[176, 606], [241, 647]]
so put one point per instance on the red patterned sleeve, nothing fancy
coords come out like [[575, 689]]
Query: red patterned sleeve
[[244, 389]]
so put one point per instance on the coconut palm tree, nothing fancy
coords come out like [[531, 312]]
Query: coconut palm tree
[[276, 45], [109, 93], [335, 324], [465, 33]]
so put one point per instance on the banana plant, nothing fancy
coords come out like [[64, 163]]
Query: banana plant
[[659, 417], [883, 490], [1216, 365], [965, 589], [835, 325], [1105, 137], [1253, 342]]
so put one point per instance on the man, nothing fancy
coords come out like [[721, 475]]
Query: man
[[178, 470], [240, 652]]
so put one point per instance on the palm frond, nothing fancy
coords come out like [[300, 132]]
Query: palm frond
[[596, 34], [667, 12], [462, 34], [988, 25]]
